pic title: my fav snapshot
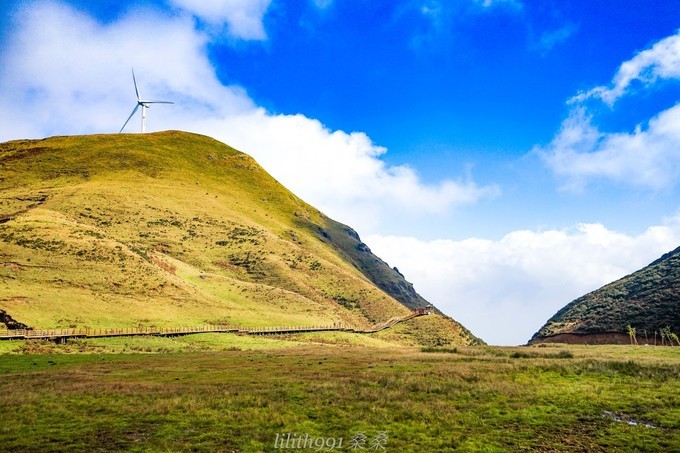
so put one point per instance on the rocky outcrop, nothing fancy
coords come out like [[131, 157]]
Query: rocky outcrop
[[10, 323]]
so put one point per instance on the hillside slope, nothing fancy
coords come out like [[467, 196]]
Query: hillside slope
[[647, 300], [173, 229]]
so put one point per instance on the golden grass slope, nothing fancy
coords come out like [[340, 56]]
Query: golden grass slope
[[170, 229]]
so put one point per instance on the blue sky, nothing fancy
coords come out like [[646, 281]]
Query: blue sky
[[506, 155]]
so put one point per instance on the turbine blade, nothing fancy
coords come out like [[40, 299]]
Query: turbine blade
[[155, 102], [128, 120], [135, 82]]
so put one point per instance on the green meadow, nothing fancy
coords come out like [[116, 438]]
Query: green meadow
[[222, 392]]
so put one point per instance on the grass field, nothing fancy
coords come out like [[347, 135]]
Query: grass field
[[209, 396]]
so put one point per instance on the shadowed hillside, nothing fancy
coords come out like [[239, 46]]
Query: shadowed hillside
[[173, 229], [647, 301]]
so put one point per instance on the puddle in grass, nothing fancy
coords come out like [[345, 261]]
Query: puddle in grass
[[623, 418]]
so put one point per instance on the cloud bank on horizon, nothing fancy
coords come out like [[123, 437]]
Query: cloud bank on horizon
[[69, 72], [509, 288]]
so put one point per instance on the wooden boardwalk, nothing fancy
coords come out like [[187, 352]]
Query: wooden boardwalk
[[61, 335]]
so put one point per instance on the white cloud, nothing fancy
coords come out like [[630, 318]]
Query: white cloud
[[648, 157], [243, 17], [550, 39], [62, 72], [70, 74], [440, 12], [338, 172], [493, 3], [322, 4], [662, 60], [443, 18], [505, 290]]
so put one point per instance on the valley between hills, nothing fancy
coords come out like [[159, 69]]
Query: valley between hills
[[160, 232]]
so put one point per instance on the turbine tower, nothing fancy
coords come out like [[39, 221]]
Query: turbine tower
[[141, 103]]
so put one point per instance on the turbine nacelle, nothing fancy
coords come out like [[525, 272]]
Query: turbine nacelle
[[143, 103]]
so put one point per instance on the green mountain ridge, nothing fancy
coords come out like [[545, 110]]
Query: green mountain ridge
[[173, 229], [647, 300]]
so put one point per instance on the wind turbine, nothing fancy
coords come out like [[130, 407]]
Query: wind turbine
[[143, 104]]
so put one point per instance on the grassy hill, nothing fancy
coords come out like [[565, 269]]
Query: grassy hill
[[647, 300], [174, 229]]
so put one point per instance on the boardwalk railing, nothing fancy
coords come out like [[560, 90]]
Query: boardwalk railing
[[93, 333], [63, 334]]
